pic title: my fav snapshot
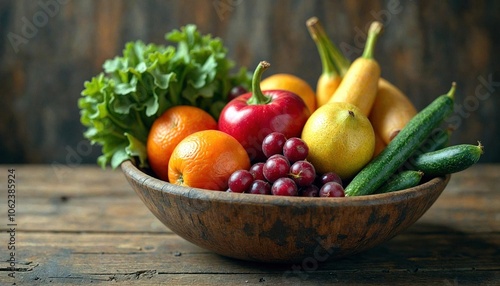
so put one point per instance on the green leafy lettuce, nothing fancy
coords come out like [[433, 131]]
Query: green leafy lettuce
[[119, 105]]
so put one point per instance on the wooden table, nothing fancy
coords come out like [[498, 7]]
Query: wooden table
[[82, 225]]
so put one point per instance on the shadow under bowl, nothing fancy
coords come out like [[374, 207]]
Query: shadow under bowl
[[282, 229]]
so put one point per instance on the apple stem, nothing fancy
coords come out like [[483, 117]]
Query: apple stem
[[257, 96]]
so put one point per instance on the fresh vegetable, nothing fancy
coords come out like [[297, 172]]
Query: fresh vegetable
[[119, 105], [251, 117], [391, 111], [438, 139], [400, 181], [448, 160], [372, 176], [330, 77], [360, 84], [379, 145]]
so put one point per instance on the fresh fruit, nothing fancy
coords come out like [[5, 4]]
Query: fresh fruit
[[276, 166], [340, 139], [260, 187], [302, 173], [273, 144], [257, 171], [448, 160], [236, 91], [391, 111], [169, 129], [402, 146], [328, 177], [332, 189], [400, 181], [206, 159], [240, 181], [360, 83], [273, 172], [284, 187], [292, 83], [295, 149], [251, 117], [330, 77], [309, 191]]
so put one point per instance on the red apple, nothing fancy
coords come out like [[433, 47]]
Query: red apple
[[252, 116]]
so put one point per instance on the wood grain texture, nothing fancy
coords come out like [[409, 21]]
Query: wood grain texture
[[102, 233], [426, 45]]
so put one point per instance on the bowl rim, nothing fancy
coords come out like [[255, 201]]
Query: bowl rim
[[132, 171]]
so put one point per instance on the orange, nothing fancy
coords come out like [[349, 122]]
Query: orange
[[206, 159], [169, 129], [293, 84]]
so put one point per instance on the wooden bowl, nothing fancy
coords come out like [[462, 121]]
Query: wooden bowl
[[282, 229]]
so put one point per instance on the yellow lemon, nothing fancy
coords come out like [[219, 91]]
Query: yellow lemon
[[340, 139]]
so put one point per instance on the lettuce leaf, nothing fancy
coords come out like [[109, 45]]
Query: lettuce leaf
[[119, 105]]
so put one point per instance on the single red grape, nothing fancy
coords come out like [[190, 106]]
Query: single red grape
[[277, 166], [273, 144], [260, 187], [240, 181], [295, 149], [328, 177], [303, 173], [257, 171], [236, 91], [309, 191], [332, 189], [284, 187]]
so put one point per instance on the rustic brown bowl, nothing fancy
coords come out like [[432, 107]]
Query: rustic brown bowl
[[282, 229]]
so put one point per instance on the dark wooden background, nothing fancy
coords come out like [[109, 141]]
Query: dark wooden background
[[426, 46]]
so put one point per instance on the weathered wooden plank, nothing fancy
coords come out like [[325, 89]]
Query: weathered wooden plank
[[90, 256], [147, 278]]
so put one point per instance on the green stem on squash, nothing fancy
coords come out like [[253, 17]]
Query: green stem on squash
[[335, 56], [374, 31], [327, 63], [451, 92], [257, 96]]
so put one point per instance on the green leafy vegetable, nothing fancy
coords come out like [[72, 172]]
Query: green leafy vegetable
[[119, 105]]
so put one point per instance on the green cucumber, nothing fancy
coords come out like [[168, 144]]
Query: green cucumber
[[438, 139], [448, 160], [373, 175], [400, 181]]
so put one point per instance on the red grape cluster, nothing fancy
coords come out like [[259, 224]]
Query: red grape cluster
[[286, 172]]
